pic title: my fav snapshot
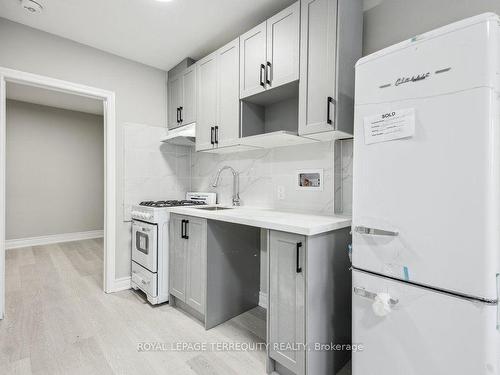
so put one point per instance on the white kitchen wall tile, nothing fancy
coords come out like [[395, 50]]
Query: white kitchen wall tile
[[343, 176], [173, 170], [152, 170], [183, 165]]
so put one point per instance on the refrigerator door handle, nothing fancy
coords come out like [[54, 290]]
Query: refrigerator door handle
[[370, 295], [375, 232]]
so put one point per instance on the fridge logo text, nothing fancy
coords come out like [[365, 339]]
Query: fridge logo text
[[418, 77]]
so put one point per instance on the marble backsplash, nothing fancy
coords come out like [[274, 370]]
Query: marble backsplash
[[263, 172], [157, 171], [343, 176], [152, 170]]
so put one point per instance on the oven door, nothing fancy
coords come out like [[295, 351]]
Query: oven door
[[145, 244]]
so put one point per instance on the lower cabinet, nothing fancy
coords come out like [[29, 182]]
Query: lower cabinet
[[309, 302], [213, 268], [287, 299], [188, 260]]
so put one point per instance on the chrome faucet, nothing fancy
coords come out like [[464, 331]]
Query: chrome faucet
[[236, 183]]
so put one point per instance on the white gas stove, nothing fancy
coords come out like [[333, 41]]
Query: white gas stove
[[150, 220]]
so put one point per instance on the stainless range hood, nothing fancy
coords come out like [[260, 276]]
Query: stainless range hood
[[182, 136]]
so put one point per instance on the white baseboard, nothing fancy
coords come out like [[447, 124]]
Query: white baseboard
[[120, 284], [54, 238], [263, 300]]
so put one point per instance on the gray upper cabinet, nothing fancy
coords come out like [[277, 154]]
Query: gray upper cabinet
[[182, 98], [317, 79], [283, 30], [330, 44], [252, 61], [228, 114], [174, 101], [207, 102], [218, 98], [287, 298], [270, 53], [188, 106]]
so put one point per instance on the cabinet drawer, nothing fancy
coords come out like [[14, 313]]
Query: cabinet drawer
[[145, 280]]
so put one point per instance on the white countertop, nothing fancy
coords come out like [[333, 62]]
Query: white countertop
[[305, 224]]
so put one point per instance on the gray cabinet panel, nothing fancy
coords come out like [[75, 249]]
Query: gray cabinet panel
[[188, 111], [252, 56], [207, 101], [318, 64], [287, 298], [178, 259], [283, 32], [174, 100], [196, 230], [330, 44], [228, 73]]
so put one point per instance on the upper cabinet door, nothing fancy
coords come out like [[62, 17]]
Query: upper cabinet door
[[207, 102], [252, 61], [174, 101], [228, 114], [283, 31], [188, 106], [317, 92]]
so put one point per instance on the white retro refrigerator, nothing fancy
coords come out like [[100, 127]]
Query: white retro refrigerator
[[426, 204]]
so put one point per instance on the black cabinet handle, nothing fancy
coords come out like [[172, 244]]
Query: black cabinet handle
[[268, 73], [177, 114], [182, 228], [262, 73], [329, 102], [299, 268], [180, 110], [216, 135], [186, 229], [212, 132]]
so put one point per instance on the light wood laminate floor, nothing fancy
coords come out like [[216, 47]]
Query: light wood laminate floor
[[58, 321]]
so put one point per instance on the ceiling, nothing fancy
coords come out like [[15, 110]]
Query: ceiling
[[158, 34], [52, 98]]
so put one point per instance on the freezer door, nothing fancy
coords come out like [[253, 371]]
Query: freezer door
[[424, 332], [430, 65], [426, 207]]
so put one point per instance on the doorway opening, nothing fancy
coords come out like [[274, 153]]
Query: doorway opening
[[46, 91]]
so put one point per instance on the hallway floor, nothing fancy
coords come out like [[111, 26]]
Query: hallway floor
[[58, 321]]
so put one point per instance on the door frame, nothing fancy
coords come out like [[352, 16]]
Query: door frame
[[110, 213]]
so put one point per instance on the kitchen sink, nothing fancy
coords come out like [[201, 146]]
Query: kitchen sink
[[214, 208]]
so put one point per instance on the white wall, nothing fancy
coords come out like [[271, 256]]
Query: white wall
[[55, 171], [392, 21], [140, 91]]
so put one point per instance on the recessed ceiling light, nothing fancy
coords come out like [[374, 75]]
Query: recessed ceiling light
[[163, 1], [31, 6]]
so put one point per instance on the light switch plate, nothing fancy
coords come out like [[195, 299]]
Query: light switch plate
[[280, 191]]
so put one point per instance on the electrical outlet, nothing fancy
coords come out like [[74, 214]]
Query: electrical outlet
[[280, 192]]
